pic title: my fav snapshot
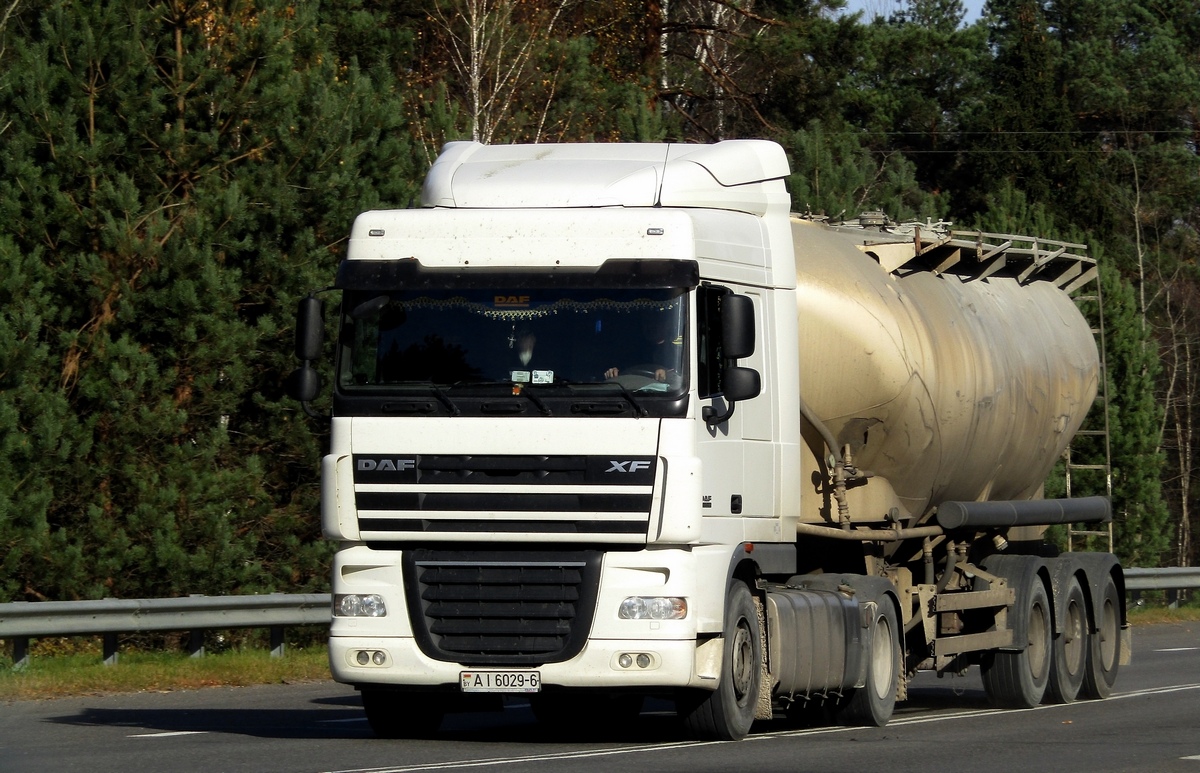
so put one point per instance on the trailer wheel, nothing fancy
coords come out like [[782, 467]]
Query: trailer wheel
[[872, 704], [1017, 680], [1104, 654], [393, 714], [1069, 654], [726, 713]]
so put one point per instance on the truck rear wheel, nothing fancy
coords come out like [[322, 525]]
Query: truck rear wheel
[[1104, 654], [1017, 680], [727, 713], [1069, 654], [872, 704], [393, 714]]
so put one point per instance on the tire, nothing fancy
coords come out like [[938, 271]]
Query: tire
[[1069, 653], [872, 704], [1017, 680], [1104, 654], [727, 713], [393, 714]]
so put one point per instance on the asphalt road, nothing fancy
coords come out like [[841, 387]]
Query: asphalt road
[[1152, 723]]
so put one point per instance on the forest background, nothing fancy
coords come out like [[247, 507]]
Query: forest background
[[175, 175]]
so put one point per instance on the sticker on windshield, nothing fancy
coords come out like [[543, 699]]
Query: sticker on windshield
[[520, 376], [543, 377]]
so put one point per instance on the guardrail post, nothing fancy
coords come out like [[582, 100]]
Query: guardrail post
[[111, 655], [196, 643], [277, 645], [20, 652]]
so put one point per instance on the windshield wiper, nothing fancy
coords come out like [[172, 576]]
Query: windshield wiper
[[633, 401], [545, 409], [444, 399]]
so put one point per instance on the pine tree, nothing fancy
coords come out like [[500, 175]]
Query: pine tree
[[181, 173], [1141, 520]]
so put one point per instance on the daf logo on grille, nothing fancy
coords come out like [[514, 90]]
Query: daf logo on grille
[[391, 465], [629, 466]]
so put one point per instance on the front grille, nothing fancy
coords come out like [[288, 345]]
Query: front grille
[[443, 497], [491, 607]]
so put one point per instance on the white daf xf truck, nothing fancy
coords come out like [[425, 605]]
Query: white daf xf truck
[[608, 422]]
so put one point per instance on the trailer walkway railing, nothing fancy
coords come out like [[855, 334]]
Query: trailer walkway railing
[[22, 621]]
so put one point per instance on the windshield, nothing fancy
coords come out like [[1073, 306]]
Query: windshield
[[618, 340]]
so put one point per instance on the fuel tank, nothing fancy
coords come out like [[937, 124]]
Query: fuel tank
[[945, 386]]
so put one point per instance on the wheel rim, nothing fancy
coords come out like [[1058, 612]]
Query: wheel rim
[[1039, 630], [882, 662], [1074, 637], [1108, 636], [743, 664]]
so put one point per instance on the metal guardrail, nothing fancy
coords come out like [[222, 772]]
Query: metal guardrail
[[1170, 578], [21, 621]]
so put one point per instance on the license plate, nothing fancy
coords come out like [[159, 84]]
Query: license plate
[[501, 681]]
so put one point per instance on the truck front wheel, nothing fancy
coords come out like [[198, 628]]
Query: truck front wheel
[[727, 713], [1017, 680]]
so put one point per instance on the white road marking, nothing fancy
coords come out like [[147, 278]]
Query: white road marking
[[1179, 649], [168, 735], [970, 713]]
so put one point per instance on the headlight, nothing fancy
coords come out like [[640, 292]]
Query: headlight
[[653, 608], [359, 605]]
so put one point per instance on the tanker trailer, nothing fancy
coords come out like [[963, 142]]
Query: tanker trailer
[[942, 376]]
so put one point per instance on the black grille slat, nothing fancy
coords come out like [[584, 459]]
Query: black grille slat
[[500, 593], [511, 646], [466, 527], [500, 502], [490, 607], [500, 610], [512, 629], [500, 575]]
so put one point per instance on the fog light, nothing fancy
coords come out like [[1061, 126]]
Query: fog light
[[643, 660], [363, 657], [378, 658], [359, 605], [653, 608], [625, 661]]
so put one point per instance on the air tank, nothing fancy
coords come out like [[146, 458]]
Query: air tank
[[944, 386]]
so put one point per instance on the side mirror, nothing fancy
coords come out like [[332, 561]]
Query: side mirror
[[310, 329], [304, 384], [737, 340], [741, 383], [737, 326]]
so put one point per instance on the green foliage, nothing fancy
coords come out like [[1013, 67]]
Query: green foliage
[[175, 176], [163, 208], [1141, 531], [836, 175]]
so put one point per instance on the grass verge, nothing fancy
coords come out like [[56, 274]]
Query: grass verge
[[85, 674]]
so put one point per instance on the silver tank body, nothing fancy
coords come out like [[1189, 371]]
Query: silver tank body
[[945, 388]]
